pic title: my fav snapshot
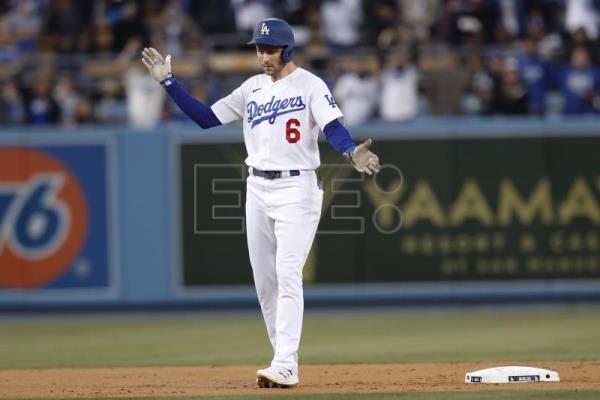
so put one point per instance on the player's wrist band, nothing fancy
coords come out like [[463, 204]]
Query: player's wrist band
[[348, 155], [168, 81]]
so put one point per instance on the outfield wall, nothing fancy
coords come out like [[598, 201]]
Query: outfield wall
[[465, 210]]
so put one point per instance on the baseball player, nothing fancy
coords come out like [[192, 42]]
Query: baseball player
[[283, 111]]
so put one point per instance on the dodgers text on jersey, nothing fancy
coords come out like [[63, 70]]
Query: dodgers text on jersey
[[270, 110]]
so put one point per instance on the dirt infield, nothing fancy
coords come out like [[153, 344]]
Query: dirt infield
[[239, 380]]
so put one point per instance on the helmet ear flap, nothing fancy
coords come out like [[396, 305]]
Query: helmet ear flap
[[286, 54]]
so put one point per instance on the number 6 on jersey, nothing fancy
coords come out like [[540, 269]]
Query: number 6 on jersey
[[292, 135]]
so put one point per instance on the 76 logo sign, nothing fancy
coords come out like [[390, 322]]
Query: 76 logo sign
[[33, 221]]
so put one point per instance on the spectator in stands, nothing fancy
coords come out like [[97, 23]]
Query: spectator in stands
[[213, 16], [40, 106], [579, 38], [62, 27], [479, 92], [84, 111], [415, 24], [508, 16], [582, 14], [579, 83], [175, 28], [546, 14], [20, 27], [540, 29], [420, 16], [398, 35], [249, 12], [144, 97], [102, 41], [296, 13], [379, 15], [460, 18], [399, 88], [357, 92], [510, 96], [11, 104], [126, 23], [110, 107], [66, 96], [112, 29], [341, 22], [534, 73], [504, 23], [444, 83]]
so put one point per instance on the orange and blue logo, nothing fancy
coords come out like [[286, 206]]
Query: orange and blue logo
[[44, 217]]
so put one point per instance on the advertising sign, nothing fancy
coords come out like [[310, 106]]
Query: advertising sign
[[54, 217], [440, 210]]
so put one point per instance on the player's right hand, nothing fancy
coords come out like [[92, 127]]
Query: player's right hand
[[364, 160], [159, 67]]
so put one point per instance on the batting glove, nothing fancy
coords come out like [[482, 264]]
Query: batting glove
[[159, 67], [363, 159]]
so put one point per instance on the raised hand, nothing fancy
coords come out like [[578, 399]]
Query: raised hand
[[159, 67]]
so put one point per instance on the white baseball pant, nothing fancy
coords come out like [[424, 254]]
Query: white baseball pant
[[282, 216]]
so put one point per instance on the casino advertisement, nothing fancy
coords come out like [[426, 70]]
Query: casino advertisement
[[473, 209], [440, 210], [54, 218]]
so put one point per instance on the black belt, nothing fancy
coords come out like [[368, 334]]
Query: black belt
[[274, 174]]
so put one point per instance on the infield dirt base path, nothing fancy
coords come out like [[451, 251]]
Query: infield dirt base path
[[240, 380]]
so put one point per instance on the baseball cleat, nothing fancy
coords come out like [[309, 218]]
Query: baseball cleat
[[276, 377]]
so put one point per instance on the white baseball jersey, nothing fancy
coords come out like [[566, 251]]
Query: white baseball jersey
[[282, 119]]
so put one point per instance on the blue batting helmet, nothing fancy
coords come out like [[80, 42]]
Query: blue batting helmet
[[275, 32]]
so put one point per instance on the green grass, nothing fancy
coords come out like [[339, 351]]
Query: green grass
[[507, 395], [360, 337]]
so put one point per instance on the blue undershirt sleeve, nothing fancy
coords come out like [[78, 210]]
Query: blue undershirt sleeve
[[338, 137], [199, 112]]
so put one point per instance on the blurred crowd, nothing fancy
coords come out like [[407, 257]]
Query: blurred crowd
[[391, 60]]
